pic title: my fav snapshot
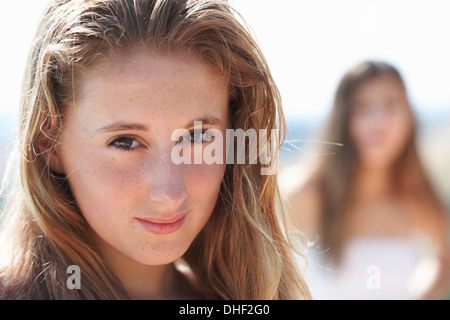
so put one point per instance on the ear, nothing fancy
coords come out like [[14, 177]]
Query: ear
[[49, 151]]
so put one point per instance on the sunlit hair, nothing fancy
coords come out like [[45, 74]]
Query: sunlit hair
[[243, 252], [334, 176]]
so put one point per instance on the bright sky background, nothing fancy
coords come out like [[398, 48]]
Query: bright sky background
[[308, 45]]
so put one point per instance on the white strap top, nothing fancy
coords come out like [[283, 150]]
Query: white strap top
[[372, 268]]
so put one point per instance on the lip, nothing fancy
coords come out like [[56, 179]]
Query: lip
[[162, 224]]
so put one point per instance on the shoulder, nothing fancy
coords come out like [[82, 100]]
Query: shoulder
[[431, 219]]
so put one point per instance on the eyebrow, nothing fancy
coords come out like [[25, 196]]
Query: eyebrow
[[123, 126], [208, 120]]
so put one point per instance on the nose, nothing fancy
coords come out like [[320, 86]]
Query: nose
[[377, 116], [167, 188]]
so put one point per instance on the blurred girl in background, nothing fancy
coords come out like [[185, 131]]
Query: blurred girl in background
[[382, 229]]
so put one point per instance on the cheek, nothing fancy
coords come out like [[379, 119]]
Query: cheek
[[359, 130], [400, 130], [203, 183], [98, 185]]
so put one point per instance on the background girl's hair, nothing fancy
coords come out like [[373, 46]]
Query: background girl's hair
[[242, 253], [333, 177]]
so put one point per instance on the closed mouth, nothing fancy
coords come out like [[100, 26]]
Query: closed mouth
[[163, 225]]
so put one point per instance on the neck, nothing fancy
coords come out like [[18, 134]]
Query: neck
[[139, 280], [373, 181]]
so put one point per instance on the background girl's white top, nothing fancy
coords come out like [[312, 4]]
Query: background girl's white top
[[373, 268]]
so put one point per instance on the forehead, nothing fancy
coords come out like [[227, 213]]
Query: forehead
[[143, 67], [147, 86], [379, 84]]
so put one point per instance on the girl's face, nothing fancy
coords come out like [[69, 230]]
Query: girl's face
[[380, 121], [116, 152]]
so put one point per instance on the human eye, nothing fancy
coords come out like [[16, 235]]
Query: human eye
[[361, 109], [124, 143], [198, 136]]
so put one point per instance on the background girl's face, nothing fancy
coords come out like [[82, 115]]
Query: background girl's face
[[116, 152], [380, 120]]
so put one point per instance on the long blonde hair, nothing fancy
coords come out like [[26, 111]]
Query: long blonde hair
[[243, 252]]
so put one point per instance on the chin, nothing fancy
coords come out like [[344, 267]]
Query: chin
[[160, 256], [377, 159]]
